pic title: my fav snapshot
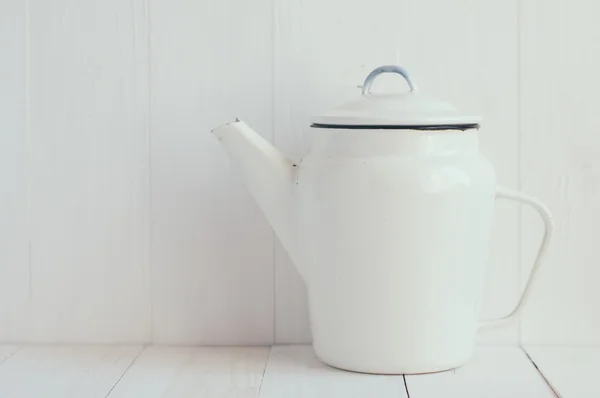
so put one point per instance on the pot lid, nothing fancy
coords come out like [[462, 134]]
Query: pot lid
[[405, 110]]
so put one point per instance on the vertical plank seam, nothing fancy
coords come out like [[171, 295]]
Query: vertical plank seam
[[149, 262], [143, 348], [537, 368], [28, 179], [273, 236], [520, 263], [262, 379]]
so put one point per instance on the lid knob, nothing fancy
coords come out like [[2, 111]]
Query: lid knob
[[403, 110], [366, 89]]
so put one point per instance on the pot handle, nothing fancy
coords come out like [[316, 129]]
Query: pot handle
[[505, 193], [366, 87]]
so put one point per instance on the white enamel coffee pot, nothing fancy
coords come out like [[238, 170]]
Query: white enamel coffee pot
[[388, 220]]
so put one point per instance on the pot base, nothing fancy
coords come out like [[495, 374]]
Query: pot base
[[396, 369]]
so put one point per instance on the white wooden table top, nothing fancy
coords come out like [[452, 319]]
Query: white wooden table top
[[571, 371], [281, 371]]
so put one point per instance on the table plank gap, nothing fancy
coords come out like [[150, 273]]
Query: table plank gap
[[64, 371], [125, 371], [542, 375], [493, 372], [570, 371], [186, 372], [6, 351], [262, 379], [295, 372]]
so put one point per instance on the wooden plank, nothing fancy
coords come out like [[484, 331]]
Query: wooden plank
[[90, 173], [212, 260], [560, 159], [571, 371], [295, 372], [65, 372], [321, 57], [181, 372], [493, 372], [14, 244]]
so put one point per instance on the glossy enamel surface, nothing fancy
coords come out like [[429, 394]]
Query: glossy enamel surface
[[394, 226], [390, 230]]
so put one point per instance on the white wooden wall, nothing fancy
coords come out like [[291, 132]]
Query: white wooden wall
[[122, 220]]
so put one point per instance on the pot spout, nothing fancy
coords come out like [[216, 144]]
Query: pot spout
[[270, 176]]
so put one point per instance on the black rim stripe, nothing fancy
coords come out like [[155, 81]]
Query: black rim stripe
[[374, 127]]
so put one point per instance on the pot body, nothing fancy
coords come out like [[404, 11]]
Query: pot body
[[394, 228]]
